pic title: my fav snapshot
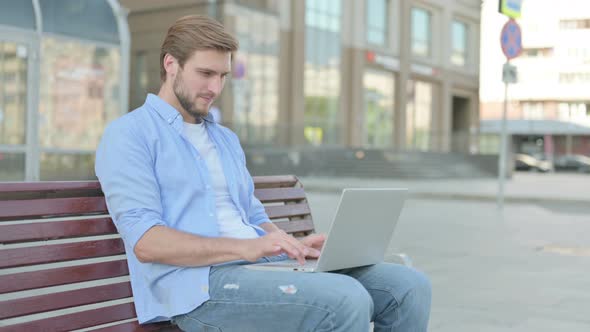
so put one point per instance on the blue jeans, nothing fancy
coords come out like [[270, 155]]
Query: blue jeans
[[394, 297]]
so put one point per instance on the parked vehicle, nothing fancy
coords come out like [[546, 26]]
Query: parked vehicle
[[573, 162], [525, 162]]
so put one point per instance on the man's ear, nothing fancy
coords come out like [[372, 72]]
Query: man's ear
[[170, 64]]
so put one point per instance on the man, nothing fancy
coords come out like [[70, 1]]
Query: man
[[182, 199]]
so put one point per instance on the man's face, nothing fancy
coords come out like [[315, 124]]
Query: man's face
[[201, 80]]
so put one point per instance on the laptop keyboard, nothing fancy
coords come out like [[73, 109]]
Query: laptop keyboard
[[292, 263]]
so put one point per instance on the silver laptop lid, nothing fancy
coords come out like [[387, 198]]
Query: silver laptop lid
[[362, 227]]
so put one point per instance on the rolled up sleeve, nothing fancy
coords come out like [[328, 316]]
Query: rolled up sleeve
[[124, 167], [257, 214]]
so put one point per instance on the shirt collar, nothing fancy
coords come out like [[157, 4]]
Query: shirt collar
[[167, 111]]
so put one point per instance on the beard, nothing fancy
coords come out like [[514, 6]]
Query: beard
[[185, 100]]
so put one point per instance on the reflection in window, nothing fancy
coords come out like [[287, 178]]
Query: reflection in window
[[574, 112], [85, 19], [572, 24], [421, 32], [17, 14], [379, 103], [418, 115], [539, 52], [79, 95], [13, 93], [67, 166], [139, 82], [532, 111], [255, 81], [377, 21], [459, 43], [322, 71], [12, 166]]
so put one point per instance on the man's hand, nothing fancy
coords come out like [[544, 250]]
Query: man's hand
[[315, 241], [278, 242]]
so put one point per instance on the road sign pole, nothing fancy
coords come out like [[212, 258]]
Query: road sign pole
[[503, 150], [511, 42]]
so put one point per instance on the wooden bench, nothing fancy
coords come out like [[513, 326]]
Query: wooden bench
[[63, 265]]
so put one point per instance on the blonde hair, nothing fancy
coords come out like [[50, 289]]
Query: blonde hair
[[194, 33]]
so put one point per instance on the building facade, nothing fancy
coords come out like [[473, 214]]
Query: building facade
[[386, 74], [549, 106], [63, 77]]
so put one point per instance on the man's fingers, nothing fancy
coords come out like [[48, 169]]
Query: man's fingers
[[293, 242], [292, 251], [293, 247], [305, 249], [315, 241]]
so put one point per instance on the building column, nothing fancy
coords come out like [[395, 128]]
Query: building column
[[292, 71], [401, 89], [352, 66]]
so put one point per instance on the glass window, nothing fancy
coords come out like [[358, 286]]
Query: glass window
[[79, 94], [459, 43], [421, 32], [12, 166], [418, 115], [139, 86], [379, 109], [574, 112], [571, 24], [255, 82], [13, 93], [18, 14], [322, 72], [377, 21], [85, 19], [67, 166], [532, 111]]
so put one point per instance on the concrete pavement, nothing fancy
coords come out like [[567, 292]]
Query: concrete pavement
[[523, 269]]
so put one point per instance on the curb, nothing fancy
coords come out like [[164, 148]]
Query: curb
[[465, 196]]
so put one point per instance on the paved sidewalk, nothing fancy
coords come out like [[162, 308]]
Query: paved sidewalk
[[522, 188], [521, 269]]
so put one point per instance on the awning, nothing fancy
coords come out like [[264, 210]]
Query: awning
[[534, 127]]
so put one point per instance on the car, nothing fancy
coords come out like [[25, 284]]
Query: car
[[573, 162], [525, 162]]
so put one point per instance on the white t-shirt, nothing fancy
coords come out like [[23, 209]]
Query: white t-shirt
[[228, 216]]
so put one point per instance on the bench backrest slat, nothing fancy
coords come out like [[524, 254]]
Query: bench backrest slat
[[296, 226], [62, 276], [59, 234], [51, 207], [285, 211], [43, 188], [60, 252], [57, 230], [270, 195], [135, 327], [78, 320], [67, 299], [276, 181]]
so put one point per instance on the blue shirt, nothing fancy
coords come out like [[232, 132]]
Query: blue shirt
[[152, 175]]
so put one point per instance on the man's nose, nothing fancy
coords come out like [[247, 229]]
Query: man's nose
[[216, 85]]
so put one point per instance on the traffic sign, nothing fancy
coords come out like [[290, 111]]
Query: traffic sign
[[510, 8], [509, 73], [511, 39]]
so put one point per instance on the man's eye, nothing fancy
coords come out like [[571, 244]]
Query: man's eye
[[206, 73]]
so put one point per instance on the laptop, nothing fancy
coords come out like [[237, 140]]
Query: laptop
[[359, 235]]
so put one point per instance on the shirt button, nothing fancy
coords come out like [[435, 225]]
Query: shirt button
[[170, 120], [210, 214]]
